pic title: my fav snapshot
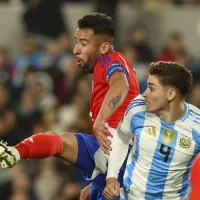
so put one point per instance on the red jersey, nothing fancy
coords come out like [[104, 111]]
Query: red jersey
[[195, 179], [106, 66]]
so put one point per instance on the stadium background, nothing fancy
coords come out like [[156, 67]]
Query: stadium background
[[41, 89]]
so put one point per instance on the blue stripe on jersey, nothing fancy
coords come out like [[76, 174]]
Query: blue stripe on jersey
[[115, 67], [195, 113], [160, 165], [104, 60], [193, 119], [186, 111], [196, 138], [100, 60], [194, 116], [134, 105], [108, 57], [130, 167], [135, 101]]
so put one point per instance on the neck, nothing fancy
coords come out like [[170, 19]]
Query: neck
[[172, 112]]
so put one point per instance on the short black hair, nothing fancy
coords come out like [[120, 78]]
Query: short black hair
[[173, 74], [100, 23]]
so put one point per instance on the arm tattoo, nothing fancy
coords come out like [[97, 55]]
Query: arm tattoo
[[114, 102]]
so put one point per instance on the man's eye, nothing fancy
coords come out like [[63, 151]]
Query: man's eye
[[151, 89]]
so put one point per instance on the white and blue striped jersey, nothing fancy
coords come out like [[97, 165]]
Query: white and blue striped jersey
[[159, 164]]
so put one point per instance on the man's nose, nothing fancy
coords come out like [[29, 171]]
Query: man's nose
[[76, 50], [144, 93]]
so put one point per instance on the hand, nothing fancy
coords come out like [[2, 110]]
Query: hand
[[111, 190], [100, 131], [85, 193]]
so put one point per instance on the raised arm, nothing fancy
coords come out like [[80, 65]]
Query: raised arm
[[115, 96]]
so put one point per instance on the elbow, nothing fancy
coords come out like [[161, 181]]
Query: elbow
[[124, 88]]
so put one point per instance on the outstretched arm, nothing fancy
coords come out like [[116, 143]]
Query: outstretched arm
[[115, 96], [120, 144]]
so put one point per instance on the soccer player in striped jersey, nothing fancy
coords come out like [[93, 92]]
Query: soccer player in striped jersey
[[114, 82], [166, 132]]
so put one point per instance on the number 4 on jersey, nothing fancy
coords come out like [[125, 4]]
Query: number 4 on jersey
[[165, 151]]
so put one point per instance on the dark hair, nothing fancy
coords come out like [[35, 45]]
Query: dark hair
[[99, 23], [172, 74]]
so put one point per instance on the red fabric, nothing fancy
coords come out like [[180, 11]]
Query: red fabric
[[23, 150], [41, 145], [195, 179], [100, 87]]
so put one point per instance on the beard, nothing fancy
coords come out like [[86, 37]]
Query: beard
[[87, 69]]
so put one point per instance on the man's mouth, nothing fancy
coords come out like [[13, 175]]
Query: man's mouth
[[78, 61], [147, 102]]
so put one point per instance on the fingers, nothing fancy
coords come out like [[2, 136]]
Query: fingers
[[84, 196], [107, 194], [112, 188], [110, 193], [105, 144], [85, 193], [100, 131], [116, 188], [81, 196]]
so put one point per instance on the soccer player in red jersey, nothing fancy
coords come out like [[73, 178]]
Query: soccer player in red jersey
[[195, 179], [114, 85]]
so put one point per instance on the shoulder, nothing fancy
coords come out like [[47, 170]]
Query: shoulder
[[118, 57], [116, 64], [137, 105], [109, 59], [193, 119], [193, 114]]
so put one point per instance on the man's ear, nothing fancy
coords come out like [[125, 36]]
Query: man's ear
[[171, 94], [105, 47]]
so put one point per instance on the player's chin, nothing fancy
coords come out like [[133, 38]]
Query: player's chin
[[80, 65], [150, 109]]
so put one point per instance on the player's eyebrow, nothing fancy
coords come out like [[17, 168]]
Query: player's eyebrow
[[81, 39], [152, 84]]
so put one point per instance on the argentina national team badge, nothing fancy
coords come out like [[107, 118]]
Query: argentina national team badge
[[168, 136], [185, 142]]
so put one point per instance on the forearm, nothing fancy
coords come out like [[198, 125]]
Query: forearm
[[113, 100], [120, 145]]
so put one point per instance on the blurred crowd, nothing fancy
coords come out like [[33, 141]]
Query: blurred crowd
[[42, 89]]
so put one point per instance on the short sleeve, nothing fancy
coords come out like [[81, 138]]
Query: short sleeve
[[115, 67]]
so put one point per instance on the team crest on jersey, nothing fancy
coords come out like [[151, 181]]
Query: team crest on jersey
[[168, 136], [185, 142]]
